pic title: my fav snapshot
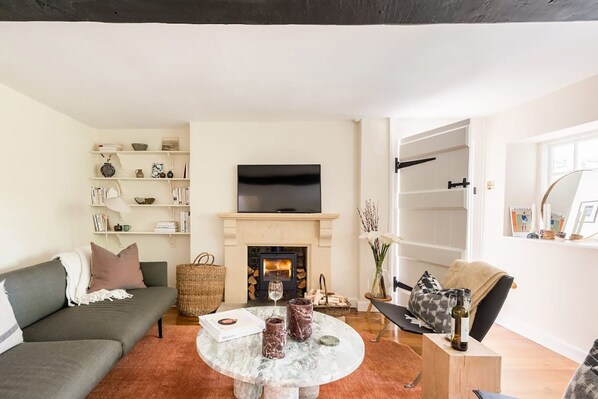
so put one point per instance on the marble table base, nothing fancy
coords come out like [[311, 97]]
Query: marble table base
[[245, 390]]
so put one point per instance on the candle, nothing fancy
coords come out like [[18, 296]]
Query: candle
[[547, 217], [534, 223]]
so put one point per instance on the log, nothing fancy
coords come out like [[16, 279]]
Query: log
[[252, 280], [302, 284], [251, 296], [256, 273], [252, 289], [249, 271], [301, 275]]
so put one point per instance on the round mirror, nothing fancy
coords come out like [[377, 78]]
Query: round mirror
[[573, 201]]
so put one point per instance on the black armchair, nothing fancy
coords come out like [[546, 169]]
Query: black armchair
[[486, 314]]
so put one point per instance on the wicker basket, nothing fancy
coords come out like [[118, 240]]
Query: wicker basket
[[339, 310], [200, 285]]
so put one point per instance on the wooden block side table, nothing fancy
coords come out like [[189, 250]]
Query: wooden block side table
[[368, 296], [451, 374]]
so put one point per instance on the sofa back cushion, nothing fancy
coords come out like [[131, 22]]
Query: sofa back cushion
[[36, 291]]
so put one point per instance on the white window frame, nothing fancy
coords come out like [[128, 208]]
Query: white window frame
[[547, 155]]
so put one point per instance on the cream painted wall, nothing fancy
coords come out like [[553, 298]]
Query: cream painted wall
[[375, 169], [43, 203], [553, 302], [144, 219], [218, 147]]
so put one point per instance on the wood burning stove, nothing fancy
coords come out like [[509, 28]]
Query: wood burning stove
[[278, 266]]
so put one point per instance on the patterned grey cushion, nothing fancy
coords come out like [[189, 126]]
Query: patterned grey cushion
[[433, 304], [584, 384]]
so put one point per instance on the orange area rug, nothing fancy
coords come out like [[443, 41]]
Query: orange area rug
[[171, 368]]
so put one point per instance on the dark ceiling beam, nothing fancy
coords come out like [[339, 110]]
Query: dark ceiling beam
[[304, 12]]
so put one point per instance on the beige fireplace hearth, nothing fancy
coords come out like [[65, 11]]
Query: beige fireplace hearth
[[312, 230]]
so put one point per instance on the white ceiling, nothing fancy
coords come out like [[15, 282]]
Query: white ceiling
[[157, 75]]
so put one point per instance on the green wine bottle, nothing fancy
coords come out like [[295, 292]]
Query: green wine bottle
[[460, 323]]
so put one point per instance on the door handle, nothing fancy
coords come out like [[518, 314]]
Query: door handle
[[463, 184]]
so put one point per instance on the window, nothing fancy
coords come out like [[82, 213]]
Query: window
[[568, 156]]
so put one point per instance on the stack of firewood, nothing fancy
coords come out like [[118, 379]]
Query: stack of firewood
[[318, 297], [252, 282]]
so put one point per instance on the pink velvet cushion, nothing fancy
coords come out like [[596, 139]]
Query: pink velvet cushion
[[110, 271]]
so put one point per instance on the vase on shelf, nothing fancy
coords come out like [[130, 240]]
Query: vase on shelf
[[107, 170], [381, 284]]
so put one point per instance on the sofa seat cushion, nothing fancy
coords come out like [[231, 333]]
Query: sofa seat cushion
[[61, 369], [122, 320]]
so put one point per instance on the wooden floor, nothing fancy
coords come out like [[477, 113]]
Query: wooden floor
[[529, 371]]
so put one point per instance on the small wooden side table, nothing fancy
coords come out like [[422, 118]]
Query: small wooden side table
[[368, 296], [451, 374]]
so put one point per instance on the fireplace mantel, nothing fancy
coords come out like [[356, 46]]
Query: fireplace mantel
[[310, 230]]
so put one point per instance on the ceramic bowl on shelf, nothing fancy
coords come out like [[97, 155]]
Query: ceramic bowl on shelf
[[139, 146], [144, 201]]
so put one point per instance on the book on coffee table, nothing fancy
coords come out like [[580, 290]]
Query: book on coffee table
[[231, 324]]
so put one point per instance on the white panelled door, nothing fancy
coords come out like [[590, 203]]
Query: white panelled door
[[433, 202]]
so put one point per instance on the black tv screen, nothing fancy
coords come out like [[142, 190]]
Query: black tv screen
[[279, 188]]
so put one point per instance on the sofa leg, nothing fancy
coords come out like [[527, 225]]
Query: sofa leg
[[160, 327]]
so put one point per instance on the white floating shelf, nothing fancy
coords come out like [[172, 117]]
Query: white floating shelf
[[150, 206], [140, 178], [126, 152], [140, 233]]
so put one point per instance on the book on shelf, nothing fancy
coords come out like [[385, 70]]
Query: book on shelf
[[168, 226], [184, 222], [180, 196], [100, 222], [232, 324], [109, 147], [98, 195]]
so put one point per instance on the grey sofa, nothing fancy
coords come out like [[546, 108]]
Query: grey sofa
[[68, 350]]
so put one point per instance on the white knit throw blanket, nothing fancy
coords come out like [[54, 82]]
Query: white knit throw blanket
[[77, 264]]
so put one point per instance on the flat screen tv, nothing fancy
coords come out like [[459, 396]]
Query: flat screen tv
[[279, 189]]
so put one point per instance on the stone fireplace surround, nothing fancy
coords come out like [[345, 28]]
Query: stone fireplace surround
[[310, 230]]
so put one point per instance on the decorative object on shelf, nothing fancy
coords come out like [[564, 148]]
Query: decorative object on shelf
[[186, 171], [274, 338], [139, 173], [139, 146], [118, 227], [170, 175], [299, 318], [329, 340], [532, 234], [571, 204], [547, 235], [200, 285], [170, 144], [162, 175], [379, 243], [144, 201], [126, 227], [157, 168], [107, 170]]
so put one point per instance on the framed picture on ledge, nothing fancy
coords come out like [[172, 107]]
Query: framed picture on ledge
[[521, 220], [170, 143]]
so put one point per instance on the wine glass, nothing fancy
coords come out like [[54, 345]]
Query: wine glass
[[275, 290]]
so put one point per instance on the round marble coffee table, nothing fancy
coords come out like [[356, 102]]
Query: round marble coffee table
[[305, 367]]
